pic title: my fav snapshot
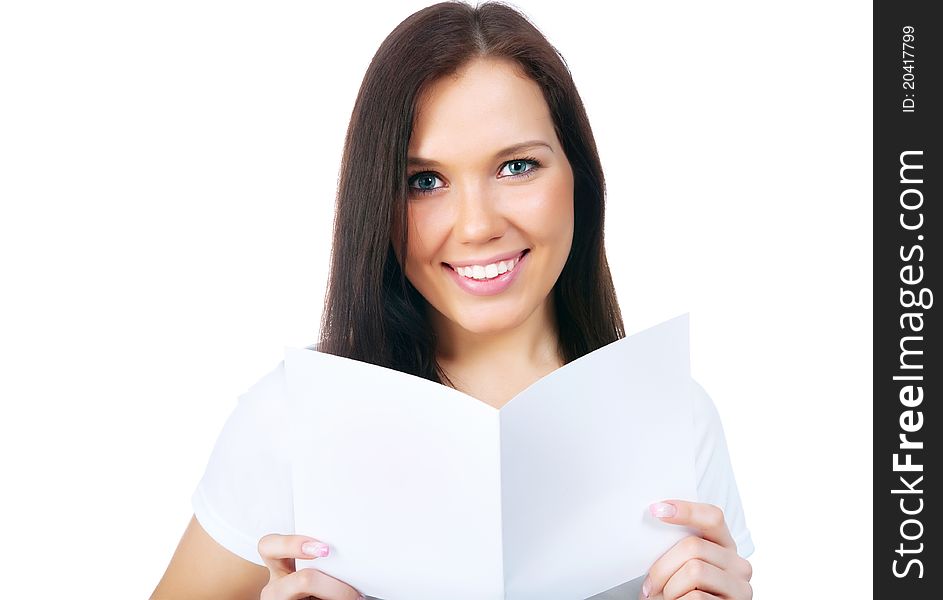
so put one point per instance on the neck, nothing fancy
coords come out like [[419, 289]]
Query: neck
[[531, 345]]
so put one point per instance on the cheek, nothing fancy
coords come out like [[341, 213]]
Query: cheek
[[560, 211], [428, 228], [548, 216]]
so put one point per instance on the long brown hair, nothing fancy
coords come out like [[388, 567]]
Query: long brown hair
[[372, 313]]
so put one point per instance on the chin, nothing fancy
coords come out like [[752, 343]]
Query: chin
[[485, 328], [486, 322]]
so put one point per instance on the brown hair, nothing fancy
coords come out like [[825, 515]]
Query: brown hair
[[372, 313]]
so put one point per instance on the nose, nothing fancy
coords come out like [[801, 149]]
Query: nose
[[478, 214]]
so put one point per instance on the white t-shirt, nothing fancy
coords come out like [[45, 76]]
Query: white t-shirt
[[246, 489]]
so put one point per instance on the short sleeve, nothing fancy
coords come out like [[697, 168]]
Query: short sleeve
[[716, 483], [246, 490]]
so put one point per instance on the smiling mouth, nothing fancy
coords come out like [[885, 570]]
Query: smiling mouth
[[489, 271]]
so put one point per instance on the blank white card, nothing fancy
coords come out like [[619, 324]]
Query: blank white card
[[424, 492]]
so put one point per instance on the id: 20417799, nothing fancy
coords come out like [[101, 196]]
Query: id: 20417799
[[909, 104]]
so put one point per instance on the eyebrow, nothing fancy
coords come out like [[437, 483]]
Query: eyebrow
[[416, 161]]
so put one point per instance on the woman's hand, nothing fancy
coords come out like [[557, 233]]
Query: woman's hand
[[698, 568], [279, 553]]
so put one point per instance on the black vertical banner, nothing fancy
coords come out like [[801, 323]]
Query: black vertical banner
[[908, 372]]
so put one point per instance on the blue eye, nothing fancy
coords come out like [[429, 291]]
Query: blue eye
[[519, 166], [424, 183]]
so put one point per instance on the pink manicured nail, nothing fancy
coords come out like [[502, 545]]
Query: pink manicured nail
[[315, 549], [663, 509], [647, 587]]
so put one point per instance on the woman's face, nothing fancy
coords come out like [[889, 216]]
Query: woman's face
[[490, 204]]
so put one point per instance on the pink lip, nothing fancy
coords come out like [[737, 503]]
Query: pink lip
[[487, 287], [487, 261]]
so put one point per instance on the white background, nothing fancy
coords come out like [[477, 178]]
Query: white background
[[167, 177]]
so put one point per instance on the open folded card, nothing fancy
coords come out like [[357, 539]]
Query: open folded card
[[425, 493]]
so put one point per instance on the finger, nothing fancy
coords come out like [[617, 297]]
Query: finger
[[280, 551], [699, 595], [691, 547], [697, 575], [310, 582], [708, 519]]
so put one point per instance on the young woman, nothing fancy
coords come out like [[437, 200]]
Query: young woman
[[468, 249]]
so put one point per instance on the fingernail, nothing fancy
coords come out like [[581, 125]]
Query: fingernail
[[663, 509], [647, 587], [315, 549]]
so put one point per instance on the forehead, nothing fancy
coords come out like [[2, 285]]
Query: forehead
[[487, 105]]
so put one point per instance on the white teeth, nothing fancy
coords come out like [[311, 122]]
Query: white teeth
[[487, 271]]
